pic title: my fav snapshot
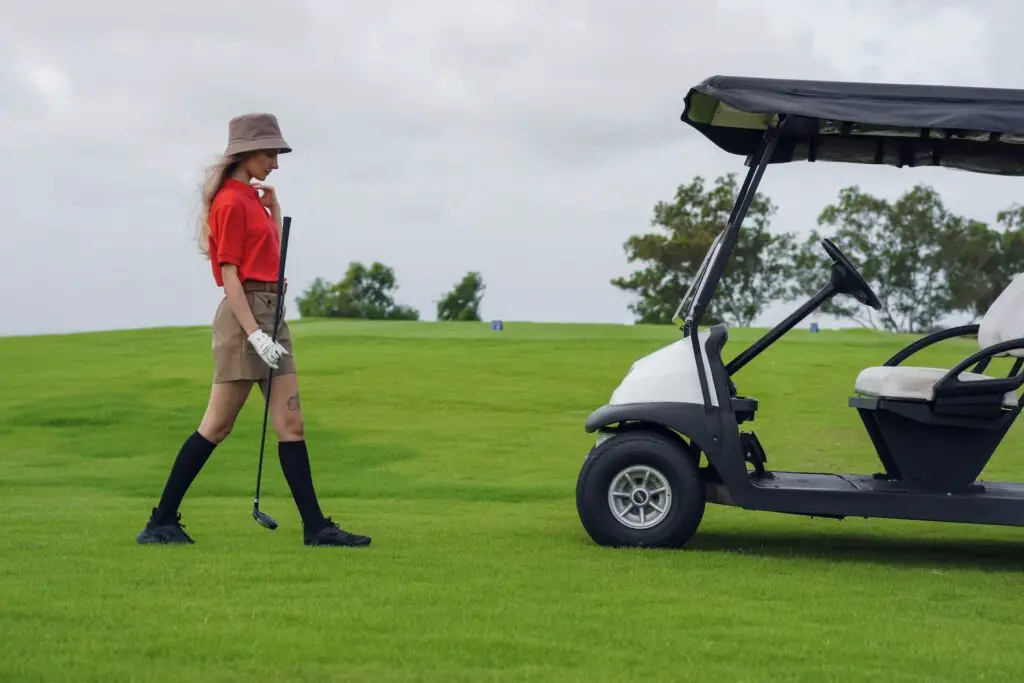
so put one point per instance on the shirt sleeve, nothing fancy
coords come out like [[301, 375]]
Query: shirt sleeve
[[228, 222]]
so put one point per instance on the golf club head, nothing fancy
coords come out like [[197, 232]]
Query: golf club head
[[263, 518]]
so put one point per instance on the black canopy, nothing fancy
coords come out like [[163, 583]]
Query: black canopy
[[975, 129]]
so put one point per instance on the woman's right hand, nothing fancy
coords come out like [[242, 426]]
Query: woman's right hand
[[268, 349]]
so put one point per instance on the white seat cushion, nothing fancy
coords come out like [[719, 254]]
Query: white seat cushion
[[912, 383]]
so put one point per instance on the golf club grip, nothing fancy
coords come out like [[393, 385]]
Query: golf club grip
[[286, 226]]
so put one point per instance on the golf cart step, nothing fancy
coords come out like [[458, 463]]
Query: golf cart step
[[754, 453]]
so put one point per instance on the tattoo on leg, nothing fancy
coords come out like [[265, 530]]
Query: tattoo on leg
[[293, 402]]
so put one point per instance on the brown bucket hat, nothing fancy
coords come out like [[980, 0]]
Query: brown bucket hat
[[252, 132]]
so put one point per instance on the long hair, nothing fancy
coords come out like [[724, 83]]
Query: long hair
[[215, 176]]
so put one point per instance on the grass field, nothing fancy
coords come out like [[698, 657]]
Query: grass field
[[457, 450]]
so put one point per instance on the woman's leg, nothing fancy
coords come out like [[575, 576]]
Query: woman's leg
[[286, 417], [226, 400]]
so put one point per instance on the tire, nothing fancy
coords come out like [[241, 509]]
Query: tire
[[668, 462]]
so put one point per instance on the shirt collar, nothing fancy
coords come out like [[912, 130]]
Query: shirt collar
[[243, 187]]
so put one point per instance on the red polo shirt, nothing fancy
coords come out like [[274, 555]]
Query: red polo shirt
[[242, 232]]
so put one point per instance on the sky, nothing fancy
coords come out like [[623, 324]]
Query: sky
[[525, 140]]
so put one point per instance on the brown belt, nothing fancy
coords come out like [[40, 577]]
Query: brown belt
[[260, 286]]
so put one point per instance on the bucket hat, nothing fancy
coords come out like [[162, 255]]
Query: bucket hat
[[252, 132]]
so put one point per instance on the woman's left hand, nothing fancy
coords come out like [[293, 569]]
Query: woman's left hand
[[267, 195]]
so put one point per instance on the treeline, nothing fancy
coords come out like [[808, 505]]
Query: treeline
[[369, 292], [924, 262]]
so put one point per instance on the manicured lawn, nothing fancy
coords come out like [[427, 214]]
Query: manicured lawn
[[457, 449]]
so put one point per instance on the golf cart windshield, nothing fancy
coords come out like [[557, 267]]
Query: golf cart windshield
[[697, 284], [772, 121]]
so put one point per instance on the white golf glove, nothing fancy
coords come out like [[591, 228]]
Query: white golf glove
[[270, 351]]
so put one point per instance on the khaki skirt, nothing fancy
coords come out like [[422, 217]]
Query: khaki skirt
[[234, 358]]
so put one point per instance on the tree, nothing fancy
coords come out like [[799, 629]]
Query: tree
[[362, 293], [759, 271], [903, 249], [318, 301], [982, 261], [463, 301]]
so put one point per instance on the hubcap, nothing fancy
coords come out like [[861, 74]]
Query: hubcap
[[639, 497]]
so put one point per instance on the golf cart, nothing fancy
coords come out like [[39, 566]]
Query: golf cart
[[933, 430]]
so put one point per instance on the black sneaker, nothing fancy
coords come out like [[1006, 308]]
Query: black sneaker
[[332, 534], [166, 532]]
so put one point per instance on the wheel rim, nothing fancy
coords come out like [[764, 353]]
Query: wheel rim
[[640, 497]]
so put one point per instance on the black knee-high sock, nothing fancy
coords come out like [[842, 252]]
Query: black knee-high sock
[[191, 458], [295, 465]]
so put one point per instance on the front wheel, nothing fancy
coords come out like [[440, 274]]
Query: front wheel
[[640, 489]]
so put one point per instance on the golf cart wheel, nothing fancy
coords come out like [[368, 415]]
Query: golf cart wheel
[[640, 489]]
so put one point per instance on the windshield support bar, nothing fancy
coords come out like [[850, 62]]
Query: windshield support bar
[[732, 230], [717, 266]]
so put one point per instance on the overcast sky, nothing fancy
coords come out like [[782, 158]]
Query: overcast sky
[[526, 140]]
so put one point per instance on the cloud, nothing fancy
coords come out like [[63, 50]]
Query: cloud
[[523, 139]]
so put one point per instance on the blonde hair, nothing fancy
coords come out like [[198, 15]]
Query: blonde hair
[[215, 176]]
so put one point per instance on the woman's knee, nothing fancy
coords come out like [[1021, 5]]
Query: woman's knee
[[216, 430], [226, 400], [290, 426]]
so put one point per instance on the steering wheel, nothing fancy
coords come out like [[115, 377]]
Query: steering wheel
[[848, 279]]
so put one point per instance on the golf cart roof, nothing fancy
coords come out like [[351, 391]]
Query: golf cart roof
[[973, 129]]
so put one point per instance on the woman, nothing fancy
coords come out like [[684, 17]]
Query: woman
[[240, 231]]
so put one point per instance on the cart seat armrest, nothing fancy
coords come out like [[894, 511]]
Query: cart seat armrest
[[931, 339], [952, 385]]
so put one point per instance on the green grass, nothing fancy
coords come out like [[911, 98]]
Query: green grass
[[457, 449]]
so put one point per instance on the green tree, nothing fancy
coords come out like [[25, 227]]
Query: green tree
[[318, 301], [982, 260], [903, 250], [362, 293], [759, 271], [463, 301]]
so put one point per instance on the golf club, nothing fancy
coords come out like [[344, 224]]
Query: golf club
[[262, 517]]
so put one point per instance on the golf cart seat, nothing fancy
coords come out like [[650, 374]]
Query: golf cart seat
[[913, 383], [1002, 326], [939, 427]]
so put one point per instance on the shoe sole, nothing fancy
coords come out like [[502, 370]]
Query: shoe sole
[[336, 545], [151, 540]]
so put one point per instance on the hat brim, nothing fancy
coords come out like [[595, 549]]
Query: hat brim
[[258, 145]]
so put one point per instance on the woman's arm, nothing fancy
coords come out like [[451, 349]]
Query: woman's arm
[[236, 298], [227, 221]]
